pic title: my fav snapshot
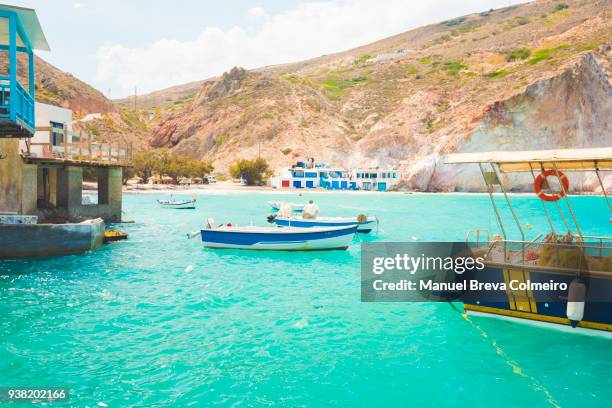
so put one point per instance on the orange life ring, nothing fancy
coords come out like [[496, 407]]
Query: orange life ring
[[537, 186]]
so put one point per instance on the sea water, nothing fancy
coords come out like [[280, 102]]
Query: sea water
[[158, 320]]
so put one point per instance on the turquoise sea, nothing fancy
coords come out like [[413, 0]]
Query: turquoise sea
[[127, 325]]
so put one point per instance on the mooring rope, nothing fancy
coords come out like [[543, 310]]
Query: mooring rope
[[516, 369]]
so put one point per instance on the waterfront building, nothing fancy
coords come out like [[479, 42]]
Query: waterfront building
[[307, 176], [42, 160]]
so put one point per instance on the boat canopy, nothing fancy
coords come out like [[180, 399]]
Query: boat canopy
[[599, 158]]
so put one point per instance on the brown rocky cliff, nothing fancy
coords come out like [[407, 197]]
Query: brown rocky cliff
[[534, 75]]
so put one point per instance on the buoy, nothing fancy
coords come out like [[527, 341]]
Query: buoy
[[576, 295], [540, 181], [414, 238], [528, 226], [189, 268]]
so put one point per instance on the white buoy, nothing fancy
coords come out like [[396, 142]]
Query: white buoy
[[189, 268], [576, 296]]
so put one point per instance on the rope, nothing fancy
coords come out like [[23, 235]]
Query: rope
[[516, 369]]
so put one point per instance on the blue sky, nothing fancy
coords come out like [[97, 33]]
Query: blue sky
[[116, 45]]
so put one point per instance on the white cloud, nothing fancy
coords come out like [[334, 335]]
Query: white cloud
[[257, 12], [308, 30]]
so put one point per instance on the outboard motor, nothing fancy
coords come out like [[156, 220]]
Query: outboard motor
[[271, 218], [576, 296]]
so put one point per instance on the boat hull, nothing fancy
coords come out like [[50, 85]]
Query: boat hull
[[362, 227], [183, 205], [537, 308], [278, 240]]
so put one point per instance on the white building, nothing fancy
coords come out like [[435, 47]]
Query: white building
[[57, 125]]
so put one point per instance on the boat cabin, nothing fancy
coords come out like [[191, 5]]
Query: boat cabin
[[20, 34]]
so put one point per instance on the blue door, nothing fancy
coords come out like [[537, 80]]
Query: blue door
[[344, 185], [382, 186], [297, 184], [335, 185], [309, 183]]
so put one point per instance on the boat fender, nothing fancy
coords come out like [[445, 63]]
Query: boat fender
[[361, 218], [229, 224], [576, 296], [271, 218]]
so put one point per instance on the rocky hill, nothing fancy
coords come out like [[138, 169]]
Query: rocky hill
[[92, 111], [529, 76], [60, 88]]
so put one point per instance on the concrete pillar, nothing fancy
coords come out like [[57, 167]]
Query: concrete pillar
[[29, 189], [70, 188], [110, 191], [11, 166]]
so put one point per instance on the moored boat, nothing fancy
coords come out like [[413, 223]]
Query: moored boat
[[273, 238], [364, 223], [277, 205], [579, 265], [178, 204]]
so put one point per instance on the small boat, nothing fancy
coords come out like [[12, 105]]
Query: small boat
[[274, 238], [114, 236], [178, 204], [276, 205], [364, 224]]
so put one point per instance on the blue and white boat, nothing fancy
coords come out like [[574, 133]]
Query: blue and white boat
[[274, 238], [178, 204], [364, 224]]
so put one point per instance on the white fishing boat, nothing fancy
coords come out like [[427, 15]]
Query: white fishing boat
[[273, 238], [277, 205], [188, 204], [364, 223]]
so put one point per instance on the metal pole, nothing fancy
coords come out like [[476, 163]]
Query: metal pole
[[499, 220], [552, 227], [569, 206], [13, 66], [516, 220], [603, 189]]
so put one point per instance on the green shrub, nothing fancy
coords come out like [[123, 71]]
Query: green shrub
[[559, 7], [453, 67], [253, 172], [545, 53], [336, 87], [522, 53], [453, 22], [497, 74], [362, 59]]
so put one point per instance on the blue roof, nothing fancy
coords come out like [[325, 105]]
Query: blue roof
[[31, 27]]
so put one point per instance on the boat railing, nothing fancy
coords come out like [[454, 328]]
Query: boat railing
[[592, 254], [478, 233]]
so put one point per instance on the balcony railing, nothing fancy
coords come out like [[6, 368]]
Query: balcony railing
[[21, 110], [78, 146]]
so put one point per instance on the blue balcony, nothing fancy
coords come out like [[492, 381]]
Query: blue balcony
[[20, 34]]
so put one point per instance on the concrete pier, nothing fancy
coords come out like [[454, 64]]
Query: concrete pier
[[53, 188]]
